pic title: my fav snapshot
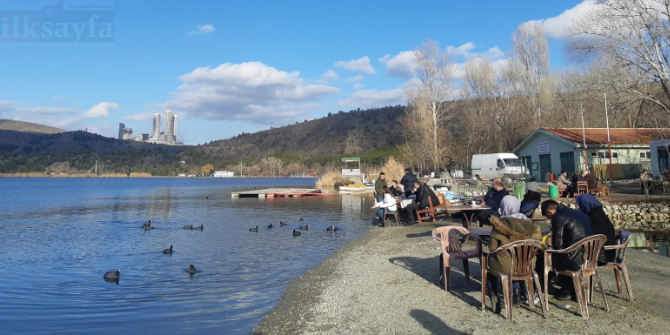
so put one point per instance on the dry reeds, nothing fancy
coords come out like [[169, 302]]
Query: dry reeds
[[330, 179]]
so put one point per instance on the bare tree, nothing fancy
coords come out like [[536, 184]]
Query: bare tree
[[635, 36], [427, 102], [241, 167]]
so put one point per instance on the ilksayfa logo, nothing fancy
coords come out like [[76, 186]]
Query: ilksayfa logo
[[80, 24]]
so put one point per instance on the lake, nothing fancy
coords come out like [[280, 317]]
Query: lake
[[58, 237]]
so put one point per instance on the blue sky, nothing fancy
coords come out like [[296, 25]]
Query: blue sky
[[227, 67]]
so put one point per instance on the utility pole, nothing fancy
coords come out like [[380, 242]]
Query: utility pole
[[609, 142], [586, 163]]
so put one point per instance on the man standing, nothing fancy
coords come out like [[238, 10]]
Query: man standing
[[407, 181], [568, 226], [492, 199], [379, 184]]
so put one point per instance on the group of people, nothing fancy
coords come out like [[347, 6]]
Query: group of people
[[568, 226], [385, 195], [569, 186]]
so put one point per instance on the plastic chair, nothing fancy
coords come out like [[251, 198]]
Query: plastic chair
[[393, 214], [582, 187], [451, 249], [619, 264], [591, 246], [523, 255]]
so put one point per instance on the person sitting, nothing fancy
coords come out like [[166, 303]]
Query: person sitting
[[666, 175], [563, 183], [407, 181], [388, 202], [645, 178], [395, 189], [492, 199], [511, 226], [601, 224], [592, 184], [573, 182], [532, 198], [568, 226], [422, 193]]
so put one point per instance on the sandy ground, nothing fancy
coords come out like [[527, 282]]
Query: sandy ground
[[387, 283]]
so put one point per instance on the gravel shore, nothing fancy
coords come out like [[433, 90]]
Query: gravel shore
[[387, 283]]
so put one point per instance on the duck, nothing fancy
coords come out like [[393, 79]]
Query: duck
[[255, 230], [332, 228], [301, 219], [283, 224], [305, 227], [168, 251], [191, 270], [190, 226], [112, 275], [296, 233], [270, 226], [146, 225], [201, 227]]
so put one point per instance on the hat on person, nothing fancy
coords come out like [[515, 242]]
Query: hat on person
[[532, 186]]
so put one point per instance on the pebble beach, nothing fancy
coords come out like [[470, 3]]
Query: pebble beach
[[387, 282]]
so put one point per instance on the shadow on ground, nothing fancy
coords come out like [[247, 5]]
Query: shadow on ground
[[432, 323]]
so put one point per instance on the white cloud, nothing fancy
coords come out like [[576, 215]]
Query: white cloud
[[361, 65], [328, 76], [358, 86], [202, 29], [374, 98], [58, 98], [249, 91], [354, 79], [462, 50], [559, 26], [401, 65], [100, 110]]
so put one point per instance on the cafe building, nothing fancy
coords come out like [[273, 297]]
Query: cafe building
[[552, 150]]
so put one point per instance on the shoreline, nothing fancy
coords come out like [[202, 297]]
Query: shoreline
[[386, 282]]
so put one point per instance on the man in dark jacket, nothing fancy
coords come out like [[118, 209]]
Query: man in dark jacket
[[568, 226], [592, 184], [407, 181], [423, 193], [492, 199], [379, 184]]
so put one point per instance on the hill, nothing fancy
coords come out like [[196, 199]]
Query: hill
[[358, 131], [28, 127]]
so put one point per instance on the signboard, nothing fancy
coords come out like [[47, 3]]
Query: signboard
[[543, 147], [351, 172]]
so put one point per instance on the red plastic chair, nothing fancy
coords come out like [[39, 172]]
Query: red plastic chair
[[523, 254], [451, 249]]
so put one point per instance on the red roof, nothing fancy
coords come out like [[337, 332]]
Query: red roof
[[617, 135]]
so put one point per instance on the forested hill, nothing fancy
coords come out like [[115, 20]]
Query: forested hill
[[343, 133]]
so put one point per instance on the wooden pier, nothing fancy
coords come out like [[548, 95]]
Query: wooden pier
[[280, 193]]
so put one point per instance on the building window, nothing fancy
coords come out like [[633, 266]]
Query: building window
[[606, 154], [645, 155]]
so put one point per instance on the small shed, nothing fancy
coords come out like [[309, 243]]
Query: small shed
[[552, 150], [223, 174]]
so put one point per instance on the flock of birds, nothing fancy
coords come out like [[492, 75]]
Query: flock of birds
[[295, 232], [113, 276]]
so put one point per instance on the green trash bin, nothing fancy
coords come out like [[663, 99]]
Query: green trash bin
[[520, 190], [553, 191]]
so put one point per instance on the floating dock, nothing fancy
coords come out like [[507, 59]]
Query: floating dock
[[280, 193]]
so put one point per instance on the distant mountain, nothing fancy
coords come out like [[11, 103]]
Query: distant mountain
[[358, 131], [28, 127]]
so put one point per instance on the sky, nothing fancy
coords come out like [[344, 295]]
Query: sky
[[227, 67]]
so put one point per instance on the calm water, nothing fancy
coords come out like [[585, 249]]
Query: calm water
[[59, 236]]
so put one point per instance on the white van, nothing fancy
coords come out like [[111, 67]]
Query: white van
[[496, 165]]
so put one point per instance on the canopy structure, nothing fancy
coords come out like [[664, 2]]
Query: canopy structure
[[351, 166]]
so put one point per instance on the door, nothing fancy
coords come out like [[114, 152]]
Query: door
[[545, 166], [568, 162]]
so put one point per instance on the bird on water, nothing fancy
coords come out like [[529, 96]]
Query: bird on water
[[201, 227], [168, 251], [191, 270], [190, 226], [296, 233], [332, 228], [305, 227], [271, 226], [112, 275], [283, 224], [301, 219], [255, 230], [147, 225]]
